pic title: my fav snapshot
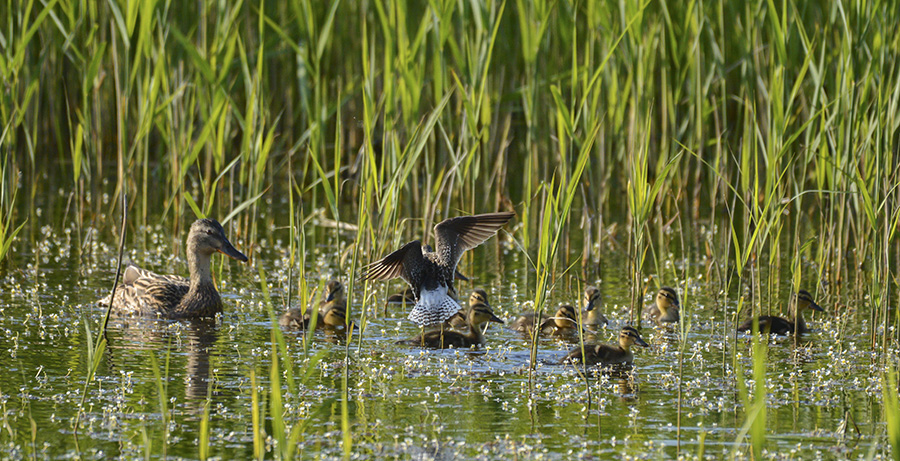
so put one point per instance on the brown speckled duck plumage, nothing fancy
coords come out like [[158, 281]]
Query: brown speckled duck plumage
[[148, 294]]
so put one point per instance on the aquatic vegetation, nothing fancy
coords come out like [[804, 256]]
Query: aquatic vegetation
[[737, 151]]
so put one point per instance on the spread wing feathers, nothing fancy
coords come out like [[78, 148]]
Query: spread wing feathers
[[396, 264], [456, 235]]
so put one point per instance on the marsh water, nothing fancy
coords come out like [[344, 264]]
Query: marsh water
[[681, 397]]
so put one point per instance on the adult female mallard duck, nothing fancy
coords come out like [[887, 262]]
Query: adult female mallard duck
[[608, 354], [431, 273], [666, 308], [562, 323], [477, 298], [780, 326], [332, 311], [144, 293], [444, 338], [592, 316]]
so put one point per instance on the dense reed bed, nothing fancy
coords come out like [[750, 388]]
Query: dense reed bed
[[757, 141]]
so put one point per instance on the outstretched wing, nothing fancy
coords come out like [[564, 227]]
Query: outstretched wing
[[401, 263], [456, 235]]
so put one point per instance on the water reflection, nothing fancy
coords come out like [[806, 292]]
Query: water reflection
[[194, 340]]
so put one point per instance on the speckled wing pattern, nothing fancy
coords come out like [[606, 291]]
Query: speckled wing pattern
[[456, 235], [406, 263], [144, 292]]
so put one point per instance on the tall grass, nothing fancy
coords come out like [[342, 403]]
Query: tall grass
[[392, 115]]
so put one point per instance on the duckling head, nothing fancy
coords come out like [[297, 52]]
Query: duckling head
[[565, 317], [481, 314], [805, 301], [478, 296], [666, 298], [207, 237], [628, 336], [591, 298], [334, 291]]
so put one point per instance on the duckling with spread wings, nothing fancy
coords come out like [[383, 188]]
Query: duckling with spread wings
[[430, 274]]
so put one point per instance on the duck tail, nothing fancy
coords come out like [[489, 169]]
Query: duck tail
[[433, 307]]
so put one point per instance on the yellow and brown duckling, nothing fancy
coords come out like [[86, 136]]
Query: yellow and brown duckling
[[666, 308], [145, 293], [477, 298], [592, 316], [332, 311], [780, 326], [563, 322], [443, 338], [608, 354]]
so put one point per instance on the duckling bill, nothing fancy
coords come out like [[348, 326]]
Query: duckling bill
[[608, 354], [780, 326], [144, 293], [431, 274]]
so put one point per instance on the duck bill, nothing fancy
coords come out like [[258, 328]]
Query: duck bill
[[816, 307], [590, 305], [229, 250], [641, 342], [495, 319]]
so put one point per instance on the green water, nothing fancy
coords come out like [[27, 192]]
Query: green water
[[404, 401]]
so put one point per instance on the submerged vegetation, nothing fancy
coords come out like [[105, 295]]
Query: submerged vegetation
[[740, 151]]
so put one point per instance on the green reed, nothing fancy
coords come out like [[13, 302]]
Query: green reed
[[389, 112]]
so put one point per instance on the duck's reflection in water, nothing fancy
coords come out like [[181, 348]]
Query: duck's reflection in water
[[136, 344]]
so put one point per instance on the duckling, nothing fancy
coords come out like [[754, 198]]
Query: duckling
[[444, 338], [592, 315], [144, 293], [332, 311], [666, 308], [608, 354], [431, 274], [563, 322], [780, 326], [404, 297], [478, 297]]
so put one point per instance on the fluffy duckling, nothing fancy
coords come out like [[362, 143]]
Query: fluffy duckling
[[145, 293], [666, 308], [608, 354], [477, 298], [332, 311], [563, 322], [780, 326], [444, 338], [405, 297], [592, 315]]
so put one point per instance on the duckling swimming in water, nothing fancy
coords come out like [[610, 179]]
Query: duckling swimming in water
[[666, 308], [780, 326], [608, 354], [431, 273], [444, 338], [332, 311], [145, 293], [477, 298], [592, 315], [562, 323], [404, 297]]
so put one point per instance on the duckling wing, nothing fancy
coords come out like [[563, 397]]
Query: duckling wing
[[456, 235], [402, 263]]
